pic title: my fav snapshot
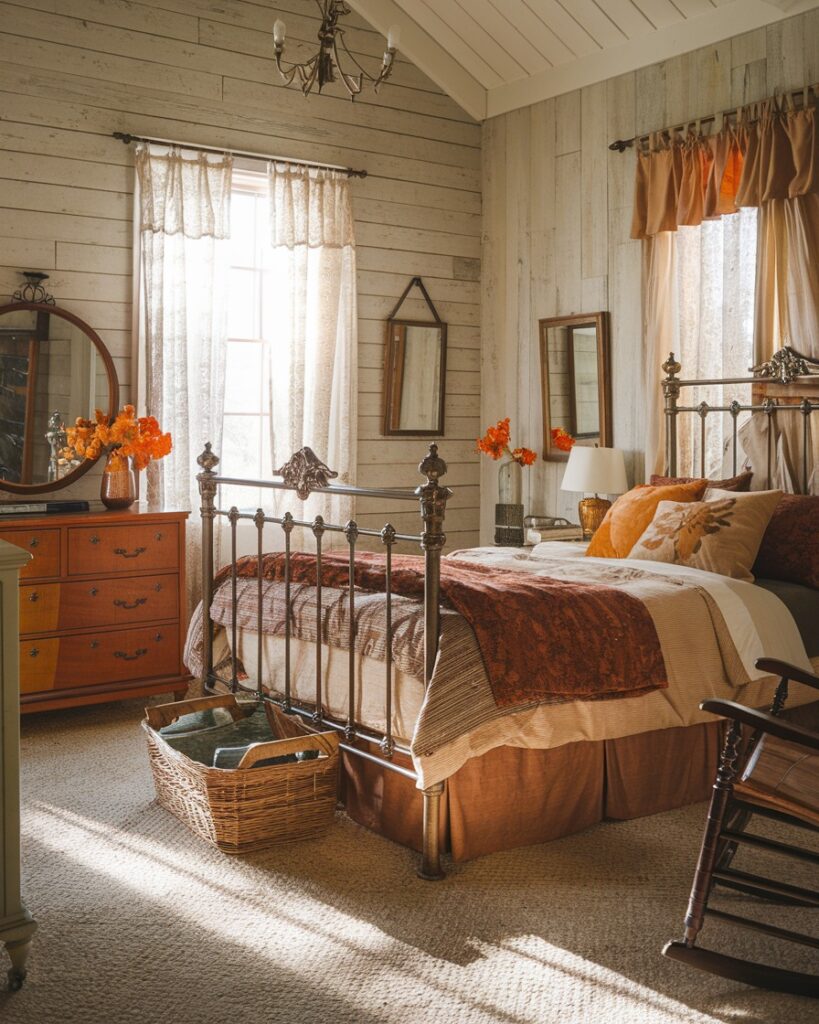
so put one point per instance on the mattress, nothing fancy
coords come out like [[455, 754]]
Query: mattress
[[454, 721]]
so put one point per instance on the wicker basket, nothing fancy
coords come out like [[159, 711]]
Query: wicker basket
[[244, 809]]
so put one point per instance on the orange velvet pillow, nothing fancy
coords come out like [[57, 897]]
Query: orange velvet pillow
[[631, 513]]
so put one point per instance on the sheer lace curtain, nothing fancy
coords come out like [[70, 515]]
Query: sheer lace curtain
[[184, 226], [699, 286], [312, 375]]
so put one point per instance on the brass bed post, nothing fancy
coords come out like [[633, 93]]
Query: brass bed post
[[207, 489], [433, 498], [671, 391]]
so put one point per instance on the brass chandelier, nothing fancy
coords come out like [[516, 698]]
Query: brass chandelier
[[325, 66]]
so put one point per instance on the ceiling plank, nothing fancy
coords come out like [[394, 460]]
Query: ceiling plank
[[501, 32], [596, 21], [474, 35], [427, 54], [629, 19], [680, 37], [567, 29], [660, 12], [536, 31]]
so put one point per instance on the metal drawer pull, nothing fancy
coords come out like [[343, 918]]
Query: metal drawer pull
[[34, 596], [33, 543], [158, 587], [159, 637], [131, 657], [33, 652], [93, 591], [94, 644], [132, 554], [157, 536], [120, 603], [93, 539]]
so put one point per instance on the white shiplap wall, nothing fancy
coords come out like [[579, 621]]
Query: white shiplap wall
[[557, 217], [73, 71]]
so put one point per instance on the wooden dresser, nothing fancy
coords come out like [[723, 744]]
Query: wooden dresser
[[102, 606]]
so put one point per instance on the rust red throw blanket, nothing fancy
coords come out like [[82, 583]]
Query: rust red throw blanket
[[540, 638]]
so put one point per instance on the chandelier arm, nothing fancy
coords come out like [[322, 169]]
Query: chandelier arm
[[363, 71]]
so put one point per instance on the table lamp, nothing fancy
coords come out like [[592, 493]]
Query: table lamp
[[594, 471]]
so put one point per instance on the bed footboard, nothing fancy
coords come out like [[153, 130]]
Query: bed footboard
[[305, 474]]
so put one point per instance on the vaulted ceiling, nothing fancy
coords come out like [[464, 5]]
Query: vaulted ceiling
[[496, 55]]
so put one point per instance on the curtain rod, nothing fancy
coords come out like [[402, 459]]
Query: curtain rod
[[127, 138], [621, 145]]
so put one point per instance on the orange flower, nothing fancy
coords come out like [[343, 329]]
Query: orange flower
[[495, 444], [496, 440], [525, 456], [127, 437], [562, 439]]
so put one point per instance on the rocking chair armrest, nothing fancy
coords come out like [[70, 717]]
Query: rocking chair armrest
[[786, 671], [762, 721]]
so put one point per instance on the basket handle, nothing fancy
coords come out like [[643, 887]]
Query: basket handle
[[324, 742], [163, 714]]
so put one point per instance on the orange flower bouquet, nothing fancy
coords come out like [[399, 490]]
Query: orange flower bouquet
[[128, 440], [495, 444]]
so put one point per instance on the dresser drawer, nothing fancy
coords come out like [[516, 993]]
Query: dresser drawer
[[46, 607], [105, 549], [90, 659], [38, 665], [44, 545]]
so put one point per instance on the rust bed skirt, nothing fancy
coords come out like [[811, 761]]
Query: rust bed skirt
[[512, 796]]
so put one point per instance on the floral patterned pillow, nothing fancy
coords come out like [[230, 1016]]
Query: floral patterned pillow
[[721, 535]]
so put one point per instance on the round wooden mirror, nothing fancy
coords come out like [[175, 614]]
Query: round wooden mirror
[[54, 368]]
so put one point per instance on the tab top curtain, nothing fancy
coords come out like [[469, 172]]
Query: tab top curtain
[[770, 154]]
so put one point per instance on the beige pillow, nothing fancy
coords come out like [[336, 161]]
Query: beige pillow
[[719, 535]]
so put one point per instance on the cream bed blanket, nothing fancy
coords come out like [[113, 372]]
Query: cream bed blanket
[[711, 631]]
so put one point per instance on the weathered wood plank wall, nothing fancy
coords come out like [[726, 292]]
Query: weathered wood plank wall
[[557, 216], [73, 71]]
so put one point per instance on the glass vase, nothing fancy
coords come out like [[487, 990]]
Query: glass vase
[[510, 483], [118, 488]]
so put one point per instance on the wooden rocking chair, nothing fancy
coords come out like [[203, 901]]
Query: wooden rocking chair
[[776, 777]]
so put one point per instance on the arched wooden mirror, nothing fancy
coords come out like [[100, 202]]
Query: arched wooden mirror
[[54, 368]]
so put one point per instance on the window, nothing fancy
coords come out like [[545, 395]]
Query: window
[[257, 288], [714, 295]]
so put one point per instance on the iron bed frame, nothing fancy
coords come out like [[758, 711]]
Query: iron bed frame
[[785, 368], [305, 474]]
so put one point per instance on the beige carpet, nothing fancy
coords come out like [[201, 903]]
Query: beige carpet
[[141, 921]]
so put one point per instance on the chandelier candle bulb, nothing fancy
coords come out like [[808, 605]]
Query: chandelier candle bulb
[[393, 37], [278, 32]]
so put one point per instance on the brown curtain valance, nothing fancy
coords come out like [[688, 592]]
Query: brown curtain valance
[[770, 153]]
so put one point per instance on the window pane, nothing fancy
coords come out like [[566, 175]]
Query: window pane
[[242, 229], [243, 377], [242, 309]]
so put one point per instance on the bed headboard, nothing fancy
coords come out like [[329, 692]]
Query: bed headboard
[[787, 385]]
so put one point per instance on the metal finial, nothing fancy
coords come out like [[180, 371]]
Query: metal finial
[[208, 460], [433, 466]]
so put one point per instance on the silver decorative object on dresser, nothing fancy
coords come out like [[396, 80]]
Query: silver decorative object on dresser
[[16, 924]]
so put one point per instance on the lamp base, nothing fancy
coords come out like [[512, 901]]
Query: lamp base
[[592, 511]]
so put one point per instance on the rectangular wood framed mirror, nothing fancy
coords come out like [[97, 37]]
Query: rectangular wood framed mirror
[[415, 372], [575, 381]]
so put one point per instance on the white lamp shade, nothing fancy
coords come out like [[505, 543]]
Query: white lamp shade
[[595, 471]]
